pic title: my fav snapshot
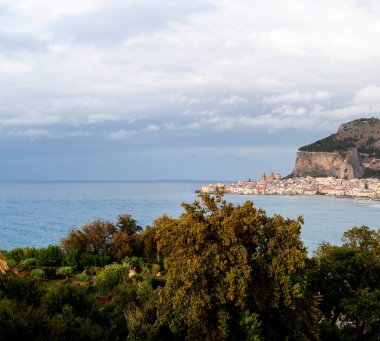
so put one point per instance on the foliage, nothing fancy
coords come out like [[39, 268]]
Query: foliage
[[94, 260], [50, 256], [348, 278], [28, 264], [128, 225], [230, 272], [38, 273], [223, 260], [83, 277], [362, 314], [65, 271], [125, 240], [111, 276], [330, 144], [251, 326], [94, 238], [19, 321], [100, 242], [134, 262], [148, 242], [19, 289], [371, 173]]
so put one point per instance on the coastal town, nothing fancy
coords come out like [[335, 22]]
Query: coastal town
[[273, 184]]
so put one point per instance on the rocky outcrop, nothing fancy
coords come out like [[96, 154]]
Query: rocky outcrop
[[323, 164], [353, 152]]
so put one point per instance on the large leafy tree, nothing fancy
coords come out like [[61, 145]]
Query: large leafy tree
[[124, 240], [231, 271], [94, 238], [348, 279]]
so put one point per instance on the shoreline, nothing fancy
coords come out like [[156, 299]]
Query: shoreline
[[354, 189], [366, 199]]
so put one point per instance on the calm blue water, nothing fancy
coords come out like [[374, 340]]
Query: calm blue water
[[39, 213]]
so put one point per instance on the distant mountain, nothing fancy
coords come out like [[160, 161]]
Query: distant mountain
[[353, 152]]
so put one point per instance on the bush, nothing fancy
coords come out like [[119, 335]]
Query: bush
[[94, 260], [155, 268], [111, 276], [65, 271], [20, 289], [134, 262], [138, 278], [38, 273], [93, 270], [28, 264], [67, 294], [11, 263], [50, 256], [16, 254], [50, 271], [83, 277]]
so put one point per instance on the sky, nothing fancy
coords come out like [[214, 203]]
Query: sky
[[196, 90]]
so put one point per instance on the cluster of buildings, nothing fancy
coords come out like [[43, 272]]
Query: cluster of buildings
[[273, 184]]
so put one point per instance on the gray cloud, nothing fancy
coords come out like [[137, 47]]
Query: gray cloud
[[136, 74], [115, 20]]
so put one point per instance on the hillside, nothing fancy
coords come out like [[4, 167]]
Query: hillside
[[352, 152]]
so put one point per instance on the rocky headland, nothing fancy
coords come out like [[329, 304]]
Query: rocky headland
[[351, 153], [344, 164]]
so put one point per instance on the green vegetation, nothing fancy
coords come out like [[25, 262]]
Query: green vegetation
[[370, 150], [330, 144], [218, 272], [65, 271], [339, 142], [371, 173]]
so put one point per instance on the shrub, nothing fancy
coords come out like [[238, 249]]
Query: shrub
[[146, 271], [83, 277], [28, 264], [50, 256], [11, 263], [134, 262], [16, 254], [94, 260], [20, 289], [65, 271], [111, 276], [155, 268], [50, 271], [93, 270], [38, 273]]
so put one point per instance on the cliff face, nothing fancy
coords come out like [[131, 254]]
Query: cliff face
[[353, 152], [322, 164]]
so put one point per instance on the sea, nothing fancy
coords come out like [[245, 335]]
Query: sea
[[40, 213]]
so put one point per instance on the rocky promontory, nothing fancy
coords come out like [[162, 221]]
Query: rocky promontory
[[345, 164], [353, 152]]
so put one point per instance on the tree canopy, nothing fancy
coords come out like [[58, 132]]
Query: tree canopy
[[225, 263]]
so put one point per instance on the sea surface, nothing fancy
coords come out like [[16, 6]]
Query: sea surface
[[40, 213]]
